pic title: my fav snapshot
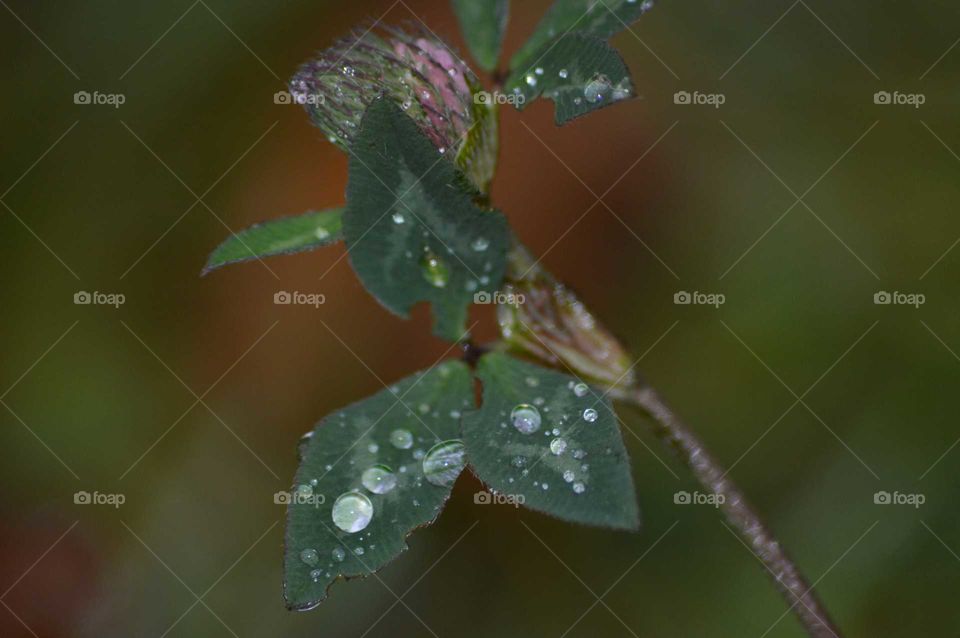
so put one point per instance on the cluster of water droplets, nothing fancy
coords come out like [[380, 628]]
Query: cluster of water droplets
[[526, 418], [353, 511]]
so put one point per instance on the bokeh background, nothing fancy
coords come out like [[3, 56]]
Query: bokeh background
[[189, 399]]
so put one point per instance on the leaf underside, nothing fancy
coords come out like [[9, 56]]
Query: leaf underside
[[343, 445], [580, 73], [591, 456], [279, 237], [589, 17], [408, 206], [483, 23]]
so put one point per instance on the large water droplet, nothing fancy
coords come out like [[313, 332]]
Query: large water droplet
[[590, 415], [444, 462], [310, 557], [525, 418], [434, 270], [379, 479], [352, 512], [401, 439], [597, 89]]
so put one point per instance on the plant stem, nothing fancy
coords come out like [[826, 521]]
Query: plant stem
[[711, 475]]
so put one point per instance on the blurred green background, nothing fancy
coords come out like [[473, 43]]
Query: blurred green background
[[189, 399]]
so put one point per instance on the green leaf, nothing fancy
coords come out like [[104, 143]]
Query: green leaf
[[426, 407], [483, 23], [588, 17], [411, 226], [568, 466], [279, 237], [580, 73]]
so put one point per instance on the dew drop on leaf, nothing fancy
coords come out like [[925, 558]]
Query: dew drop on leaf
[[338, 554], [401, 439], [444, 462], [525, 418], [379, 479], [590, 415], [597, 89], [434, 270], [352, 512], [310, 557], [558, 446], [581, 389]]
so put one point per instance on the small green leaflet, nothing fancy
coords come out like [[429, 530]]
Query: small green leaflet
[[279, 237], [549, 438], [372, 456], [579, 73], [483, 23], [411, 226], [600, 18]]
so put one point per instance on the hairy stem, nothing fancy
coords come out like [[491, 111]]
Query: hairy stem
[[711, 475]]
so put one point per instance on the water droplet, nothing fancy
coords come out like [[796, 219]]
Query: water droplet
[[444, 462], [338, 554], [568, 476], [434, 270], [532, 382], [310, 557], [590, 415], [401, 439], [321, 233], [352, 512], [398, 217], [379, 479], [316, 575], [597, 89], [579, 454], [538, 70], [373, 448], [480, 244], [558, 446], [358, 551], [564, 74], [545, 486], [304, 491], [647, 5], [579, 487], [531, 79], [525, 418], [581, 389], [518, 461]]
